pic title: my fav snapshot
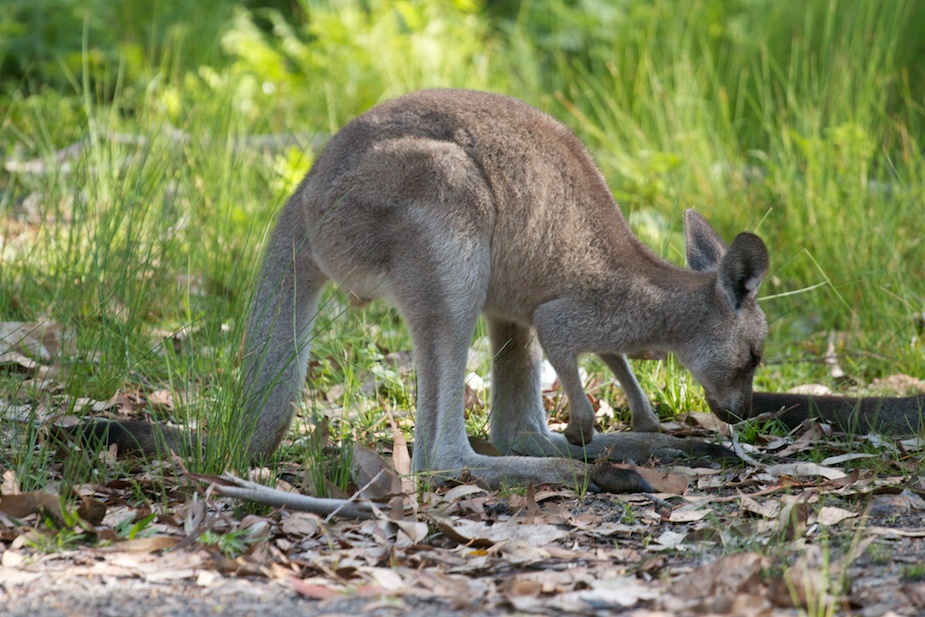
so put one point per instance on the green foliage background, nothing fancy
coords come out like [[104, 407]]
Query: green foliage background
[[802, 121]]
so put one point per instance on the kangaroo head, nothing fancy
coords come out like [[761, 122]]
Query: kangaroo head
[[725, 346]]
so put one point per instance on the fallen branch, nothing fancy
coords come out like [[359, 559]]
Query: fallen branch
[[232, 486], [741, 453]]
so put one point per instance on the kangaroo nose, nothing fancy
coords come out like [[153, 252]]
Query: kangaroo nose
[[731, 411]]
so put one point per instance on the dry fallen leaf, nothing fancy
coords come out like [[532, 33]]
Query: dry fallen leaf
[[668, 540], [794, 516], [664, 482], [35, 502], [844, 458], [374, 476], [300, 524], [9, 485], [727, 576], [804, 469], [811, 389], [476, 533], [91, 510], [461, 491], [39, 341], [918, 532], [520, 553], [387, 579], [829, 515], [898, 384], [814, 434], [768, 509], [151, 544], [706, 421], [689, 514], [161, 400], [807, 583], [317, 590], [600, 595]]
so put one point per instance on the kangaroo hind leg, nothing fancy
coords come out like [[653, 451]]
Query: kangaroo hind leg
[[440, 304], [518, 419]]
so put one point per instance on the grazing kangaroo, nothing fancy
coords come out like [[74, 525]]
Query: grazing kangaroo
[[454, 203]]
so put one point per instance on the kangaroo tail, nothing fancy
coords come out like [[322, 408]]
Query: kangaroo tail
[[281, 318], [883, 414], [274, 364]]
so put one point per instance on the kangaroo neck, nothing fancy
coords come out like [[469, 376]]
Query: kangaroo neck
[[658, 305]]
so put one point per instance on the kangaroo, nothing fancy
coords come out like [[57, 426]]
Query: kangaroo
[[456, 203]]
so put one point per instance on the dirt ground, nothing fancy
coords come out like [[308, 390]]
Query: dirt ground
[[811, 523], [575, 557], [238, 597]]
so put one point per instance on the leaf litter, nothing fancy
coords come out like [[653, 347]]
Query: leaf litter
[[778, 535]]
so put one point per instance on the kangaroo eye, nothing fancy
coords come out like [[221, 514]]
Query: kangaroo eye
[[755, 359]]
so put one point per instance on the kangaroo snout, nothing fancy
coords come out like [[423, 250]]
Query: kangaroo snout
[[732, 409]]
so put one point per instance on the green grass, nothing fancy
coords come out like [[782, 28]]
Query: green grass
[[801, 121]]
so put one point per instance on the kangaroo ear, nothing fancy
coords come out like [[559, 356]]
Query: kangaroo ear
[[705, 248], [742, 269]]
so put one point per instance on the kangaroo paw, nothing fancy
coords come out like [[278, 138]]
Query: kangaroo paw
[[713, 453], [607, 478]]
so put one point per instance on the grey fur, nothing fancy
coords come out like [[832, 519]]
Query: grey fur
[[455, 203]]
